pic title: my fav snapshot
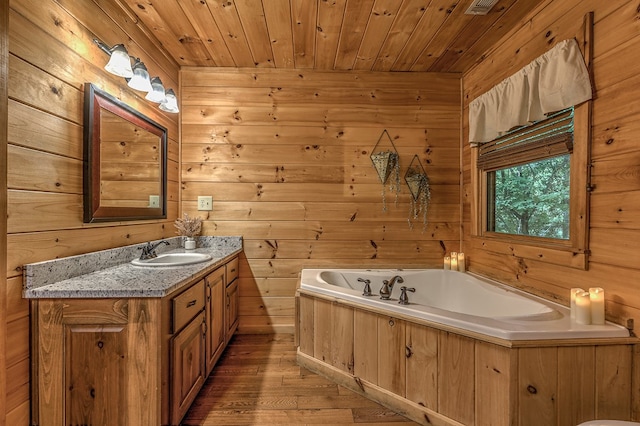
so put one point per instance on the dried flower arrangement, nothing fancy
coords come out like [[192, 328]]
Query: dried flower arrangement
[[188, 226]]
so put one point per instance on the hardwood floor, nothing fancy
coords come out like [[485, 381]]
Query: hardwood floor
[[257, 382]]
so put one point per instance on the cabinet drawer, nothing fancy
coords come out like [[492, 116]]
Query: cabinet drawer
[[232, 270], [187, 305]]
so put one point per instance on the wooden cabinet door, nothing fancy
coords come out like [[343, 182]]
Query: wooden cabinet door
[[391, 355], [96, 362], [215, 311], [187, 367], [232, 309], [421, 354]]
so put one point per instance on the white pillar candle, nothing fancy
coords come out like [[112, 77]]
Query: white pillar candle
[[454, 262], [447, 262], [596, 296], [462, 267], [583, 308], [574, 291]]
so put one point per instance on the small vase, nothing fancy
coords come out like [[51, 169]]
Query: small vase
[[189, 243]]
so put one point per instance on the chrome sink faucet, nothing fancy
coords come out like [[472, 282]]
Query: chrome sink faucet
[[149, 250], [387, 286]]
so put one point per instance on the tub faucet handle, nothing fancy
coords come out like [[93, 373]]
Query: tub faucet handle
[[404, 299], [367, 286]]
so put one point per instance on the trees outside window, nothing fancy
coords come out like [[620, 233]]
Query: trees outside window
[[531, 199]]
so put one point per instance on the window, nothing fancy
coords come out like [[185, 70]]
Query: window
[[531, 199], [528, 179], [532, 187]]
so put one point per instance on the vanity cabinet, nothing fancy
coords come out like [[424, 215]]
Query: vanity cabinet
[[215, 313], [232, 299], [187, 349], [130, 361], [96, 362]]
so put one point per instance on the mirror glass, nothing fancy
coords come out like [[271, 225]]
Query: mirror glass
[[125, 157]]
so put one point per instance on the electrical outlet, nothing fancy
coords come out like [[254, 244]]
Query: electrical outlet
[[154, 201], [205, 202]]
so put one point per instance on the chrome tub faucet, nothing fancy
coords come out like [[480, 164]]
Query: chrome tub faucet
[[387, 286]]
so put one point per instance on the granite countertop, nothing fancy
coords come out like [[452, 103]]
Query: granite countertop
[[109, 273]]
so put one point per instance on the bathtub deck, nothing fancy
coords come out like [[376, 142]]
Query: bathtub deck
[[257, 382]]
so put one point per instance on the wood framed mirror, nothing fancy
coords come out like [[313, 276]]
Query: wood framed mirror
[[125, 161]]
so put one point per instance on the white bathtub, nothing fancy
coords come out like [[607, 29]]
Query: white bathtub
[[461, 300]]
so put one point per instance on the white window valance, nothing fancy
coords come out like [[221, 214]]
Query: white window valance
[[554, 81]]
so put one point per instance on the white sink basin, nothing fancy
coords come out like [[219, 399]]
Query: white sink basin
[[173, 259]]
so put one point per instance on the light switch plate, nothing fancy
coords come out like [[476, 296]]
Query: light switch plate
[[154, 201], [205, 202]]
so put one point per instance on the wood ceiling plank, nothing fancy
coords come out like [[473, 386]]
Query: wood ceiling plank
[[170, 30], [507, 22], [356, 18], [150, 17], [382, 17], [208, 31], [225, 15], [433, 18], [467, 37], [408, 17], [278, 16], [456, 22], [376, 35], [304, 20], [254, 24], [330, 14], [144, 37]]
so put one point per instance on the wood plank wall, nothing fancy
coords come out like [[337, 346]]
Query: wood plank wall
[[615, 201], [285, 155], [51, 56], [4, 92]]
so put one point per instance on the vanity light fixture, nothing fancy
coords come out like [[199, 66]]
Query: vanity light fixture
[[170, 103], [119, 64], [157, 94], [140, 80], [137, 76]]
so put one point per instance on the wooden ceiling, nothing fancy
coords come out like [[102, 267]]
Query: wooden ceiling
[[376, 35]]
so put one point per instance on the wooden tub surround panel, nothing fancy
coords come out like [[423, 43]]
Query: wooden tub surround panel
[[438, 376]]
